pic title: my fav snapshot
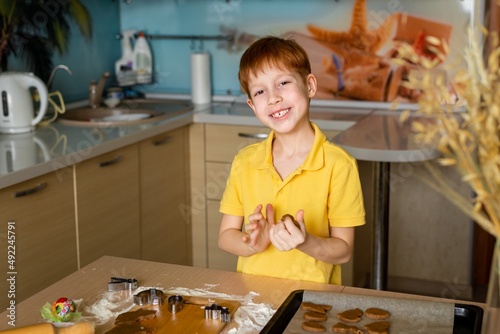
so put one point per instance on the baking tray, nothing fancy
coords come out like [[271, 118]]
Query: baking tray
[[467, 320]]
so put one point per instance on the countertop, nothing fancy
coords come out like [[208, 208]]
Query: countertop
[[383, 137], [88, 286], [57, 145]]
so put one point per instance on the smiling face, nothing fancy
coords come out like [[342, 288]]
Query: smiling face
[[280, 98], [276, 75]]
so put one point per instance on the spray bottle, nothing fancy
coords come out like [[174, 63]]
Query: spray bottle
[[124, 67]]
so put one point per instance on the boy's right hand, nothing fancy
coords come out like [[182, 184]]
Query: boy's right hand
[[257, 229]]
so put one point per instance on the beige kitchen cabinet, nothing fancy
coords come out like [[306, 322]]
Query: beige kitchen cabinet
[[164, 184], [213, 148], [108, 205], [198, 200], [38, 235]]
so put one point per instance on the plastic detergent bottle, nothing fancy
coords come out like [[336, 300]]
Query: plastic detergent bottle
[[143, 60], [124, 67]]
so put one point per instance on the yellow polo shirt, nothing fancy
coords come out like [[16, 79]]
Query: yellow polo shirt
[[326, 186]]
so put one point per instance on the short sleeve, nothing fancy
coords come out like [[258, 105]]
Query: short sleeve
[[346, 206]]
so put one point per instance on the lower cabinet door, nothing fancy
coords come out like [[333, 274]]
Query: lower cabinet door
[[108, 213], [165, 219], [37, 236]]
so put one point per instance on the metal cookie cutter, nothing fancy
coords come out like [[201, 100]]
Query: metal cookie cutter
[[215, 312], [175, 303], [151, 296], [117, 284]]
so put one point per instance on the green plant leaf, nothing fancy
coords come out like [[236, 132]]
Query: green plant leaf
[[6, 8], [59, 37], [35, 43], [81, 16]]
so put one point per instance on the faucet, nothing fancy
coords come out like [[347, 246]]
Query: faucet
[[96, 89], [54, 70]]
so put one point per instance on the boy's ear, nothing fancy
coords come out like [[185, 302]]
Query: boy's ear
[[250, 104], [312, 84]]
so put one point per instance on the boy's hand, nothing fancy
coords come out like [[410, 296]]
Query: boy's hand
[[285, 235], [257, 229]]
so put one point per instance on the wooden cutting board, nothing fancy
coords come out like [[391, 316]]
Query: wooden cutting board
[[191, 319]]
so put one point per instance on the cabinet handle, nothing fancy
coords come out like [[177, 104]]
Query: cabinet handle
[[162, 141], [253, 135], [30, 191], [110, 162]]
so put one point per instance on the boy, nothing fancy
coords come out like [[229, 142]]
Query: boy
[[294, 171]]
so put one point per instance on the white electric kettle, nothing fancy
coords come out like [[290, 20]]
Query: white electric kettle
[[17, 111]]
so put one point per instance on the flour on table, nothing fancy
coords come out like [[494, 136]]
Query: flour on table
[[108, 307], [250, 317]]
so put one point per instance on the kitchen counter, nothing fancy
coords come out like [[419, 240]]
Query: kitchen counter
[[89, 286], [57, 145], [382, 136]]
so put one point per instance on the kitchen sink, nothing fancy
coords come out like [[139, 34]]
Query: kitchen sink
[[129, 112]]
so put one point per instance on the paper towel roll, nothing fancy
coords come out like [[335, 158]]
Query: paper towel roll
[[201, 88]]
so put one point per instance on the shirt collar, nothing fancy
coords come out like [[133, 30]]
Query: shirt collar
[[263, 158]]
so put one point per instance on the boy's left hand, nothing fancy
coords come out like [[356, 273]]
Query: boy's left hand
[[285, 235]]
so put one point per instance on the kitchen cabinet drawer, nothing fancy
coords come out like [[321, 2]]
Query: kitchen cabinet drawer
[[107, 197], [217, 258], [224, 141], [165, 235], [41, 214]]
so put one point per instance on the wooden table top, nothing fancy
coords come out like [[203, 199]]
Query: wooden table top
[[91, 282]]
